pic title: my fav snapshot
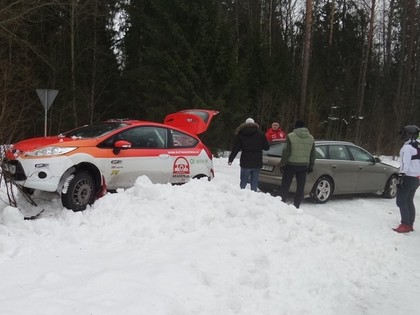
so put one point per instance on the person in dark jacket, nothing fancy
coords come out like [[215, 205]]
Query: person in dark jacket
[[251, 141], [298, 159]]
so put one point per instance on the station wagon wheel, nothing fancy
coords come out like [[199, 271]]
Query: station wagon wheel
[[390, 190], [80, 192], [322, 190]]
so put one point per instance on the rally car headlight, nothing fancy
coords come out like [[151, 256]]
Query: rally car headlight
[[50, 151]]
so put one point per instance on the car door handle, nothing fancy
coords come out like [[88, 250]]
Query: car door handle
[[360, 167], [164, 156], [334, 166]]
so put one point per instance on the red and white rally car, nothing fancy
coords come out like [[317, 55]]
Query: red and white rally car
[[82, 164]]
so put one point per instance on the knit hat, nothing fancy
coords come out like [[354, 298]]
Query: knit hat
[[249, 121], [299, 124]]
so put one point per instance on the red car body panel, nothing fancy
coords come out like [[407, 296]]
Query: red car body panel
[[195, 121]]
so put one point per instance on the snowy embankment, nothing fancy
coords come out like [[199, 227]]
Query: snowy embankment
[[202, 248]]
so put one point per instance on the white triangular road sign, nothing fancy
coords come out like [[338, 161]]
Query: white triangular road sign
[[46, 97]]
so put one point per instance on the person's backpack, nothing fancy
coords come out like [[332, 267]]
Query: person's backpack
[[415, 145]]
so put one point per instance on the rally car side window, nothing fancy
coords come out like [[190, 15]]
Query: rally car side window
[[140, 137], [183, 140]]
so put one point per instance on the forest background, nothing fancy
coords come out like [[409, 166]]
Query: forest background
[[350, 68]]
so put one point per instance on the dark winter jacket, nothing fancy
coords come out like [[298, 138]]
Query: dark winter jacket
[[299, 149], [251, 141]]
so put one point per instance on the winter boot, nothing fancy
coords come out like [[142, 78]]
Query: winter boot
[[403, 228]]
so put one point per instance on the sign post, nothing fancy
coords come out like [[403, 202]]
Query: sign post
[[46, 97]]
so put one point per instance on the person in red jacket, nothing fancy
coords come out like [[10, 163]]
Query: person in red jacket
[[275, 132]]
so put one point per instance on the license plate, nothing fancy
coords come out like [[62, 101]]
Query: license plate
[[267, 168]]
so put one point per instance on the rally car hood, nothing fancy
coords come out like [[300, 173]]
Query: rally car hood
[[39, 142], [195, 121], [33, 143]]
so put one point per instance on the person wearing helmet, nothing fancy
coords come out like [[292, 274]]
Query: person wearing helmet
[[408, 178]]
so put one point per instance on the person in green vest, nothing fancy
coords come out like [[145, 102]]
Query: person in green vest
[[298, 159]]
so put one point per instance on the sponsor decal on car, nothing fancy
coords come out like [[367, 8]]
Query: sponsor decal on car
[[181, 168], [114, 172], [198, 161]]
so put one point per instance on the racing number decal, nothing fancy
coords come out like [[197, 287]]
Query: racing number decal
[[181, 168]]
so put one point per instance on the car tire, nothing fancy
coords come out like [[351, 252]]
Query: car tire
[[390, 190], [200, 176], [322, 190], [80, 192]]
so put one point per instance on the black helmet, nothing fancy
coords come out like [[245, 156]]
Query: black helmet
[[409, 132]]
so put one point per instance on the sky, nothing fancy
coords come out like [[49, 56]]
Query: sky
[[207, 248]]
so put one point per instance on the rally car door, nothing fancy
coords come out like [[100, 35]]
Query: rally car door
[[147, 155]]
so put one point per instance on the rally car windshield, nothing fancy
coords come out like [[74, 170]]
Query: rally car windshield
[[94, 130]]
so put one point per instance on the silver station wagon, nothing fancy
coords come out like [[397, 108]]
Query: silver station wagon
[[340, 168]]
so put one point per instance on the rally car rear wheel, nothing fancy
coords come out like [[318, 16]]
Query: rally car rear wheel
[[80, 192]]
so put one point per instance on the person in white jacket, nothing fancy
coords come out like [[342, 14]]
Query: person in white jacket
[[408, 178]]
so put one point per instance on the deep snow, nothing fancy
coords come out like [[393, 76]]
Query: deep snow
[[208, 248]]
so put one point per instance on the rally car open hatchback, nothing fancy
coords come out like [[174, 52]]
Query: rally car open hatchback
[[84, 163]]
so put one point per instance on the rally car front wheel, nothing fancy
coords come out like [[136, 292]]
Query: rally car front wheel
[[79, 191]]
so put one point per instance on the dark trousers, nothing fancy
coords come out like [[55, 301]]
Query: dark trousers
[[405, 197], [289, 172], [249, 175]]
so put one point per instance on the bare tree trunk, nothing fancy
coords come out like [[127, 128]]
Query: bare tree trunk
[[331, 23], [251, 22], [306, 54], [237, 32], [93, 74], [388, 39], [411, 62], [363, 72], [270, 25], [398, 103], [73, 61]]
